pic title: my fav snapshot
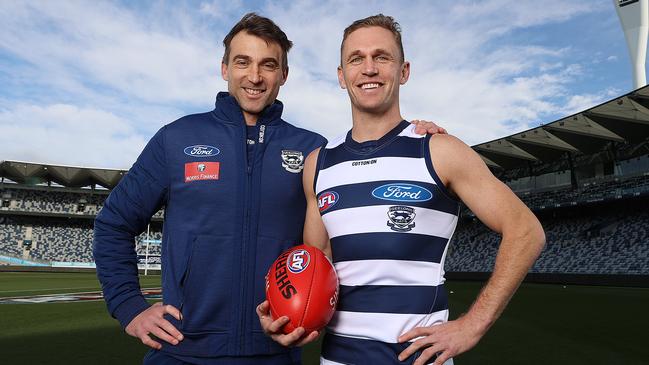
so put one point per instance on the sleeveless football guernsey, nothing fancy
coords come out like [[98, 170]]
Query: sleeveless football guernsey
[[389, 220]]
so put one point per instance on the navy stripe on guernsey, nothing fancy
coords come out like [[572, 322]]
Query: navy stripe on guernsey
[[354, 195], [378, 246], [347, 350], [398, 148], [381, 298]]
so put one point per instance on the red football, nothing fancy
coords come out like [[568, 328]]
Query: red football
[[302, 284]]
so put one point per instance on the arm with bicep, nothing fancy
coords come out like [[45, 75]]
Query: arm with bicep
[[466, 175], [314, 235]]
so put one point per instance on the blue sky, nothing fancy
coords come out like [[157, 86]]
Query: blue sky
[[88, 83]]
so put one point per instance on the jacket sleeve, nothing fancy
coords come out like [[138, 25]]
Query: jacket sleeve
[[126, 213]]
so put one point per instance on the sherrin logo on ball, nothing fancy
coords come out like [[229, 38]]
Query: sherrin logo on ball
[[302, 284]]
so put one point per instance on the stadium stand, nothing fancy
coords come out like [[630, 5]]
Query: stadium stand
[[603, 239], [57, 240]]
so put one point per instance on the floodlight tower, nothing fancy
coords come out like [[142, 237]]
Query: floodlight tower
[[634, 16]]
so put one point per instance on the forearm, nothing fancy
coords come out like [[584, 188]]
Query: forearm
[[116, 261], [516, 255]]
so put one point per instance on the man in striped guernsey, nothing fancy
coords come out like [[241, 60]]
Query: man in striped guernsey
[[383, 202]]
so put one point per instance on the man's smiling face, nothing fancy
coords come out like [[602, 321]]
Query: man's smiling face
[[371, 69], [254, 73]]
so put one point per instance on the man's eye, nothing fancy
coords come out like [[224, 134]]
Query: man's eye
[[270, 66], [356, 61], [241, 63]]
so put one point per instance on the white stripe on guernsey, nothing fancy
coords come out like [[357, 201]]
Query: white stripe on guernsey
[[374, 218], [385, 168], [324, 361], [336, 141], [386, 327], [388, 272], [410, 132]]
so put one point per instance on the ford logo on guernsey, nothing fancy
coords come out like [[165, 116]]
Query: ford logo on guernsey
[[402, 192], [201, 150]]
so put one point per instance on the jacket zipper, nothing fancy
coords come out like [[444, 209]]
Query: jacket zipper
[[250, 162], [261, 130]]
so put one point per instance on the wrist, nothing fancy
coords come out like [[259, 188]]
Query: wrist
[[129, 309]]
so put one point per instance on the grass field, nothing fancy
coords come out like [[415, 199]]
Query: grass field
[[544, 324]]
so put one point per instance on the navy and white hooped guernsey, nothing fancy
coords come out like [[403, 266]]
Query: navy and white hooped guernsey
[[389, 220]]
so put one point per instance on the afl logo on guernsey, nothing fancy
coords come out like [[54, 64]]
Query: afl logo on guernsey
[[298, 261], [402, 192], [327, 200], [201, 150]]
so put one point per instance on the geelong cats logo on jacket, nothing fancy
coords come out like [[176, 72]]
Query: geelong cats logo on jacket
[[292, 161]]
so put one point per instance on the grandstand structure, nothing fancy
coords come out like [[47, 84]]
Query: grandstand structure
[[47, 213], [586, 176]]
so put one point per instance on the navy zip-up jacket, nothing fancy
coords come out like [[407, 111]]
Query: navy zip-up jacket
[[225, 223]]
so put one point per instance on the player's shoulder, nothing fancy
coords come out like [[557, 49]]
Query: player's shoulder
[[312, 158], [447, 144]]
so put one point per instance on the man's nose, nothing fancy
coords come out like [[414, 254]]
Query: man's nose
[[253, 74], [369, 67]]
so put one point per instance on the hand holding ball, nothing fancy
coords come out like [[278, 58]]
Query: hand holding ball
[[302, 285]]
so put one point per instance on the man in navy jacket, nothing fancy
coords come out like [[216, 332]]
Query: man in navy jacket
[[231, 184]]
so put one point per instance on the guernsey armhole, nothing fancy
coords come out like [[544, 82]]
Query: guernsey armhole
[[433, 173], [319, 162]]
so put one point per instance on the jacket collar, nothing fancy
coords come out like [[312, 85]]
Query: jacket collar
[[227, 109]]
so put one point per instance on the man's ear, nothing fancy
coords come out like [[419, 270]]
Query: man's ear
[[224, 71], [405, 73], [284, 76], [341, 78]]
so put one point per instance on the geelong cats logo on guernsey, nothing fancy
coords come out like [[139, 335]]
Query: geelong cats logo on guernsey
[[298, 261], [402, 192], [327, 200], [201, 150], [401, 218], [292, 161]]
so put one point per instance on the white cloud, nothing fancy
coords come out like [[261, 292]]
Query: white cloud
[[130, 69], [62, 133], [464, 75]]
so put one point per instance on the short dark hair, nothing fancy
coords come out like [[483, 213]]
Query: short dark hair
[[379, 20], [263, 28]]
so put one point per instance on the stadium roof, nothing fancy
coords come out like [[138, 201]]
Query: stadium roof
[[624, 119], [74, 177]]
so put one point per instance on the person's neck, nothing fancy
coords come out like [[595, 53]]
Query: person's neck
[[371, 127], [251, 119]]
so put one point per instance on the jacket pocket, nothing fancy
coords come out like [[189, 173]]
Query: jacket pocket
[[207, 285]]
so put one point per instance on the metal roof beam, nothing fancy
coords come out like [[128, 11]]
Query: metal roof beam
[[543, 138], [504, 147], [584, 126]]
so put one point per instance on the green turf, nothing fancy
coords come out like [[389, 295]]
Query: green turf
[[544, 324], [13, 284]]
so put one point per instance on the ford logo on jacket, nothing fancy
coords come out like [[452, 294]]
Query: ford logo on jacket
[[201, 150]]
